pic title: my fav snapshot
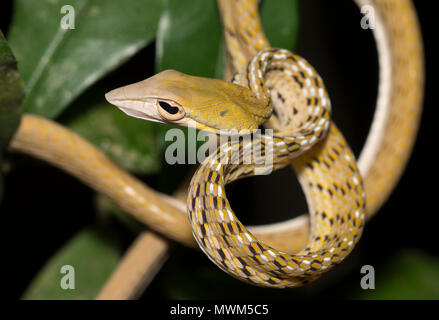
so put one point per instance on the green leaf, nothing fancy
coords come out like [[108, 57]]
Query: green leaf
[[11, 93], [93, 255], [59, 64], [131, 143], [280, 20], [408, 274], [189, 38], [11, 96]]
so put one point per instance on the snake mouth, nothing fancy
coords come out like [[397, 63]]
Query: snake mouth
[[139, 109], [137, 114]]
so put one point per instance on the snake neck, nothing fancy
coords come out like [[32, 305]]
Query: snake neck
[[243, 33]]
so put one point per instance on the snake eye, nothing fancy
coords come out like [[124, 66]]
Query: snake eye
[[170, 111]]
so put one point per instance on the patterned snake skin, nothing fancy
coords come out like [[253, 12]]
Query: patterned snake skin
[[334, 186]]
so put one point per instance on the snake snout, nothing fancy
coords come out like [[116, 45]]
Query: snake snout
[[114, 95]]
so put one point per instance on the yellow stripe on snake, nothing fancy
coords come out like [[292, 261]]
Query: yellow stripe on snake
[[381, 162]]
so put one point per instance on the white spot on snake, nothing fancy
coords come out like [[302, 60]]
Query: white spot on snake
[[263, 257], [355, 180], [280, 144], [306, 262], [253, 68], [248, 237], [326, 259], [302, 64], [154, 208], [220, 191], [230, 215], [271, 253], [350, 243], [279, 56], [129, 190], [264, 55]]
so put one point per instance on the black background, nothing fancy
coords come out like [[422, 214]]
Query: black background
[[43, 207]]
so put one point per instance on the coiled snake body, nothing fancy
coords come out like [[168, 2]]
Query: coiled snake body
[[337, 217], [335, 201], [330, 176]]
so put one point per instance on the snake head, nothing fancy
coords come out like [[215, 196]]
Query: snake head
[[176, 98], [154, 99]]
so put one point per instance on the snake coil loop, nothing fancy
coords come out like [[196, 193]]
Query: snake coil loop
[[337, 223]]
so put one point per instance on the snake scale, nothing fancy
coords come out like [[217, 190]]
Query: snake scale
[[381, 162]]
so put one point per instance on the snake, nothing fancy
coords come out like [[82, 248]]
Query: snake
[[381, 162], [219, 106]]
